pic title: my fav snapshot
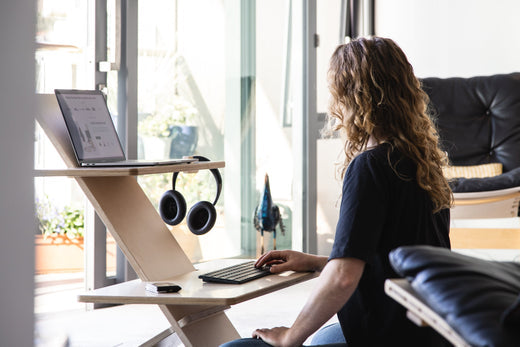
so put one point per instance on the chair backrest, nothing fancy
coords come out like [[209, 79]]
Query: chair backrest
[[478, 118]]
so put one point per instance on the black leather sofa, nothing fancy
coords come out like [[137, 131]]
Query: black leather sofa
[[478, 120]]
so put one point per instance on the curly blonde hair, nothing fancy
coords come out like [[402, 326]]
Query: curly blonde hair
[[375, 94]]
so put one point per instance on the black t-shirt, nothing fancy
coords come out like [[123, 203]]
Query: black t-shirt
[[383, 208]]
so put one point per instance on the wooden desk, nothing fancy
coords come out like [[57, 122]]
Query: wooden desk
[[197, 312], [195, 291]]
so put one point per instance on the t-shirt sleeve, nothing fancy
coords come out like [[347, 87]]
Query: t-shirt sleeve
[[362, 211]]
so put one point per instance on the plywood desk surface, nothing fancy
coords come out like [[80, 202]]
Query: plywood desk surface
[[194, 291]]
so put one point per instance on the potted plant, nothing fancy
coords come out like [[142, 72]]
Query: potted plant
[[170, 132], [57, 222], [59, 245]]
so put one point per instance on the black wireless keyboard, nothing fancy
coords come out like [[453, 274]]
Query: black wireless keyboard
[[236, 274]]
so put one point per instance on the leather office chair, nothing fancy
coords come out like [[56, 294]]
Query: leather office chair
[[478, 120]]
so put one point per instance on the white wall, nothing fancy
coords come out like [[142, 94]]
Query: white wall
[[329, 183], [445, 38], [16, 183], [441, 38]]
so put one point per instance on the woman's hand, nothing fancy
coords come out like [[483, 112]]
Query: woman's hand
[[286, 260], [276, 336]]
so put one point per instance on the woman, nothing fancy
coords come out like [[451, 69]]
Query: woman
[[394, 194]]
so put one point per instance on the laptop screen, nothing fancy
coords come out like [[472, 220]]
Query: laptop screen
[[90, 126]]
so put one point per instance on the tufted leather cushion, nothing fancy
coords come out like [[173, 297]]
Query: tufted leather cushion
[[477, 298], [478, 118], [506, 180]]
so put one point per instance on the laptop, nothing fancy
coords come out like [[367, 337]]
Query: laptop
[[92, 131]]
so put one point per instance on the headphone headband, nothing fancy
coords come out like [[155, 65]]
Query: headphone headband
[[216, 176]]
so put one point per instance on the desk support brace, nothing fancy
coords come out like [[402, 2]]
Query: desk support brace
[[194, 317], [189, 321], [158, 338]]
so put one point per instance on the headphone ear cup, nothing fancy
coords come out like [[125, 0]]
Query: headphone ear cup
[[201, 217], [172, 207]]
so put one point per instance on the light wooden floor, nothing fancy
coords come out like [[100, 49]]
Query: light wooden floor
[[60, 319]]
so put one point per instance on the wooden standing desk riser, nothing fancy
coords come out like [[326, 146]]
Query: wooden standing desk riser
[[147, 243]]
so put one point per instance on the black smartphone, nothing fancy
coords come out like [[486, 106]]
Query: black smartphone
[[162, 287]]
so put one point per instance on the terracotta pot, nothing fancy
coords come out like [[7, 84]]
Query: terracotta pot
[[60, 254]]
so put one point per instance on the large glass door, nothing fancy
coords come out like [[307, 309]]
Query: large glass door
[[226, 80], [221, 79]]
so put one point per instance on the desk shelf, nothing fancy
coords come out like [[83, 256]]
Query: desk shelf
[[128, 171], [194, 291]]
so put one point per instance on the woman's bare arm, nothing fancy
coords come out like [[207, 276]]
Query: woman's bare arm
[[337, 282]]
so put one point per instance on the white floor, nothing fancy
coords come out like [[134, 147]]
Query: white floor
[[62, 321]]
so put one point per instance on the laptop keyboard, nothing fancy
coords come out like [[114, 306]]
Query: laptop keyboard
[[236, 274]]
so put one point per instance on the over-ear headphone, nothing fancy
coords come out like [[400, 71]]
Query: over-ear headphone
[[201, 217]]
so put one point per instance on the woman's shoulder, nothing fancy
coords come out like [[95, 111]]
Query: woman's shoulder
[[384, 157], [374, 160], [375, 155]]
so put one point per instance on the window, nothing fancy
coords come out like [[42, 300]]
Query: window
[[215, 80], [218, 79], [64, 59]]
